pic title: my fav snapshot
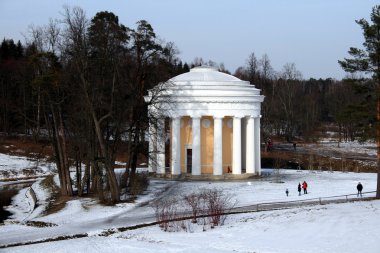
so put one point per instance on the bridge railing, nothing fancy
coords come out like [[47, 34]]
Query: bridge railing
[[320, 200]]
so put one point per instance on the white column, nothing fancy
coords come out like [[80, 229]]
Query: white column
[[236, 148], [243, 150], [257, 146], [161, 146], [218, 157], [152, 162], [196, 156], [250, 146], [176, 146]]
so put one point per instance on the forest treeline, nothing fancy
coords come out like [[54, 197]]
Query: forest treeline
[[294, 107], [81, 82]]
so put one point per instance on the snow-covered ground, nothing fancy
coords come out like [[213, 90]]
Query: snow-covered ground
[[362, 153], [330, 147], [349, 227], [367, 148], [23, 205], [14, 167]]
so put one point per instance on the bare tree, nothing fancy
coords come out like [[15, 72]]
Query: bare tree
[[78, 50], [253, 68], [287, 94], [267, 71]]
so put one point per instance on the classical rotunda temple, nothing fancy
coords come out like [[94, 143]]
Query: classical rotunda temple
[[212, 123]]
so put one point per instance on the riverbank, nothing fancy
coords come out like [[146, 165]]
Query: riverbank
[[7, 191]]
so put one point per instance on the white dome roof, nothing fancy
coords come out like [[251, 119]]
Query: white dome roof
[[206, 91], [204, 74]]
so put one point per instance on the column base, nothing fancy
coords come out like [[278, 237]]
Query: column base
[[207, 177]]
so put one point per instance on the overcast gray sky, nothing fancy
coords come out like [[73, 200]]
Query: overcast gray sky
[[314, 34]]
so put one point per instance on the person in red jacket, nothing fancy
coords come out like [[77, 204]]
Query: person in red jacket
[[304, 186]]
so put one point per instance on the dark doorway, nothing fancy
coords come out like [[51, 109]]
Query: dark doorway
[[189, 155]]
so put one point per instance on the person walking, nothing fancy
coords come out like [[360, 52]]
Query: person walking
[[269, 144], [299, 189], [304, 186], [360, 188], [287, 192]]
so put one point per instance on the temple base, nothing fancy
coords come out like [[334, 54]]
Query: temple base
[[207, 177]]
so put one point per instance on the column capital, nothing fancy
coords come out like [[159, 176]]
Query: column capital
[[237, 117], [218, 117]]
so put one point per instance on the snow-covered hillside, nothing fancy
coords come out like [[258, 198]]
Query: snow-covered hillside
[[14, 167]]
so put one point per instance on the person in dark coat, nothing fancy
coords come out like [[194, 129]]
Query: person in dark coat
[[360, 188], [287, 192], [299, 189]]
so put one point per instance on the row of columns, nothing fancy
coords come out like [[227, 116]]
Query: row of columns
[[157, 145]]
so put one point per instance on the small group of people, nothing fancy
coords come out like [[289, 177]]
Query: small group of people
[[304, 187], [359, 187], [300, 187]]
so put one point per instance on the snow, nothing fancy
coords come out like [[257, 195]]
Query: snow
[[348, 227], [367, 148], [351, 227], [320, 184], [15, 167], [22, 205]]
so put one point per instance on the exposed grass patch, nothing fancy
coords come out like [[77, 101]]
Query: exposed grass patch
[[25, 146], [56, 201], [40, 224]]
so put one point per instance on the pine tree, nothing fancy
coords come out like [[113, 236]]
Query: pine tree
[[367, 60]]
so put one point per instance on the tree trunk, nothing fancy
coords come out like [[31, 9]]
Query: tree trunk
[[37, 134], [86, 179], [57, 152], [378, 138], [66, 167], [133, 169], [25, 113], [79, 174], [94, 176], [115, 191]]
